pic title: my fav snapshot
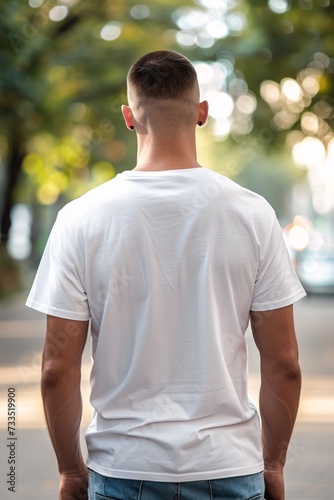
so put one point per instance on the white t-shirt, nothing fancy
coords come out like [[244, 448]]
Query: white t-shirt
[[167, 265]]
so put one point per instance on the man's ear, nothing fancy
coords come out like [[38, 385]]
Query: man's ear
[[127, 115], [203, 110]]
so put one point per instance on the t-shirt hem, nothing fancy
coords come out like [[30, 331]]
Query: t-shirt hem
[[167, 477], [54, 311], [277, 304]]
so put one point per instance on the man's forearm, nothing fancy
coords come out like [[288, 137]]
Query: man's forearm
[[61, 374], [63, 409], [279, 400]]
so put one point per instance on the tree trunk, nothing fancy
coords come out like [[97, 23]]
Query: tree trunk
[[13, 169]]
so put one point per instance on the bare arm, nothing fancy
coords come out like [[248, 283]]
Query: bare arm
[[60, 385], [274, 335]]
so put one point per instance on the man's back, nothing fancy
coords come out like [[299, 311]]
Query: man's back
[[168, 265]]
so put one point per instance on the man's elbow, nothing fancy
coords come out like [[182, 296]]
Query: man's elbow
[[292, 372], [50, 378], [56, 375], [287, 368]]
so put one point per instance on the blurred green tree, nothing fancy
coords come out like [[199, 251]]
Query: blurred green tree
[[267, 71], [266, 66], [63, 68]]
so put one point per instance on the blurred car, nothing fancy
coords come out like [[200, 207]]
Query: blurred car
[[315, 269]]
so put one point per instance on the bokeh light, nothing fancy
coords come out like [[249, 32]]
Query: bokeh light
[[310, 123], [270, 91], [298, 233], [58, 13], [221, 104], [140, 11], [278, 6], [291, 90], [310, 151], [202, 27], [246, 104], [111, 31], [35, 3]]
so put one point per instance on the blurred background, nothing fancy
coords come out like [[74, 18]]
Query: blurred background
[[267, 69]]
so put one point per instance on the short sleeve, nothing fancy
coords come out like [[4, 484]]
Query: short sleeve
[[58, 289], [277, 284]]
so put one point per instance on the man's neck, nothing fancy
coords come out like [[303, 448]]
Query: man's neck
[[155, 155], [155, 166]]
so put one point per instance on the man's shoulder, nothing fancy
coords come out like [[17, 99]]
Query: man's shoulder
[[89, 204], [240, 195], [93, 197]]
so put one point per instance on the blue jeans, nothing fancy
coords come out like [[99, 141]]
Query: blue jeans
[[235, 488]]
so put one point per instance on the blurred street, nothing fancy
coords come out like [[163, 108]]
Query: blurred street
[[309, 469]]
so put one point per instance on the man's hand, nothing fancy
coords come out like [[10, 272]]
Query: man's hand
[[274, 484], [73, 488]]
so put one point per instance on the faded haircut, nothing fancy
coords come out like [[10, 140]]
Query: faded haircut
[[163, 74]]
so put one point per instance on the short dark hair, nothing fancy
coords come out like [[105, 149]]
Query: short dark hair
[[163, 74]]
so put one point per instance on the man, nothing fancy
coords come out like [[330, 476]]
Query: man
[[168, 261]]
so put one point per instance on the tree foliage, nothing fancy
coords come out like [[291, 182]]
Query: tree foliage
[[63, 68]]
